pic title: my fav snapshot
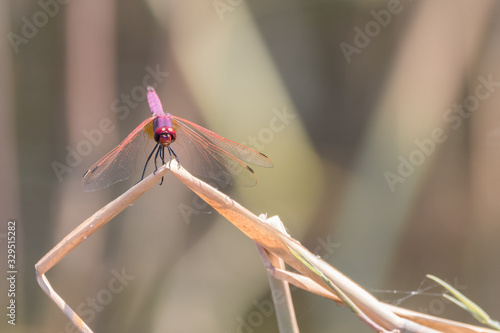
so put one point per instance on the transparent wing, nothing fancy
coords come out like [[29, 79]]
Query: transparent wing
[[124, 160], [207, 154]]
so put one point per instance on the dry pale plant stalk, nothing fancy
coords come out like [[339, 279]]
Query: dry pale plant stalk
[[329, 283], [82, 232], [280, 288]]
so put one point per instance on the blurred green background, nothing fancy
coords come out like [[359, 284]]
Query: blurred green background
[[381, 118]]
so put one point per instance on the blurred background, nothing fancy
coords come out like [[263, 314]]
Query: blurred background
[[381, 118]]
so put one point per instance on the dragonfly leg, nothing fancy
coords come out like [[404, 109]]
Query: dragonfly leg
[[147, 161], [161, 152], [156, 157], [172, 152], [162, 155]]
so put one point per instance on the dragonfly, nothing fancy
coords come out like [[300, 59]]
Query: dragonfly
[[199, 150]]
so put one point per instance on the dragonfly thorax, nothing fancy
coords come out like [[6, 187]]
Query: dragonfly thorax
[[165, 136]]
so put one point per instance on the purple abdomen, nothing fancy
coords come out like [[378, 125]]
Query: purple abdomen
[[154, 103]]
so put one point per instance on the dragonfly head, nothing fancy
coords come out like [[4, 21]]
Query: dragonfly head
[[165, 136]]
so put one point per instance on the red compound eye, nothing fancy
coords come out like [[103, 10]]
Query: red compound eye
[[165, 136]]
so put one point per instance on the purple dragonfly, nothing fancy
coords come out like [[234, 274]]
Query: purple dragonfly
[[200, 151]]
